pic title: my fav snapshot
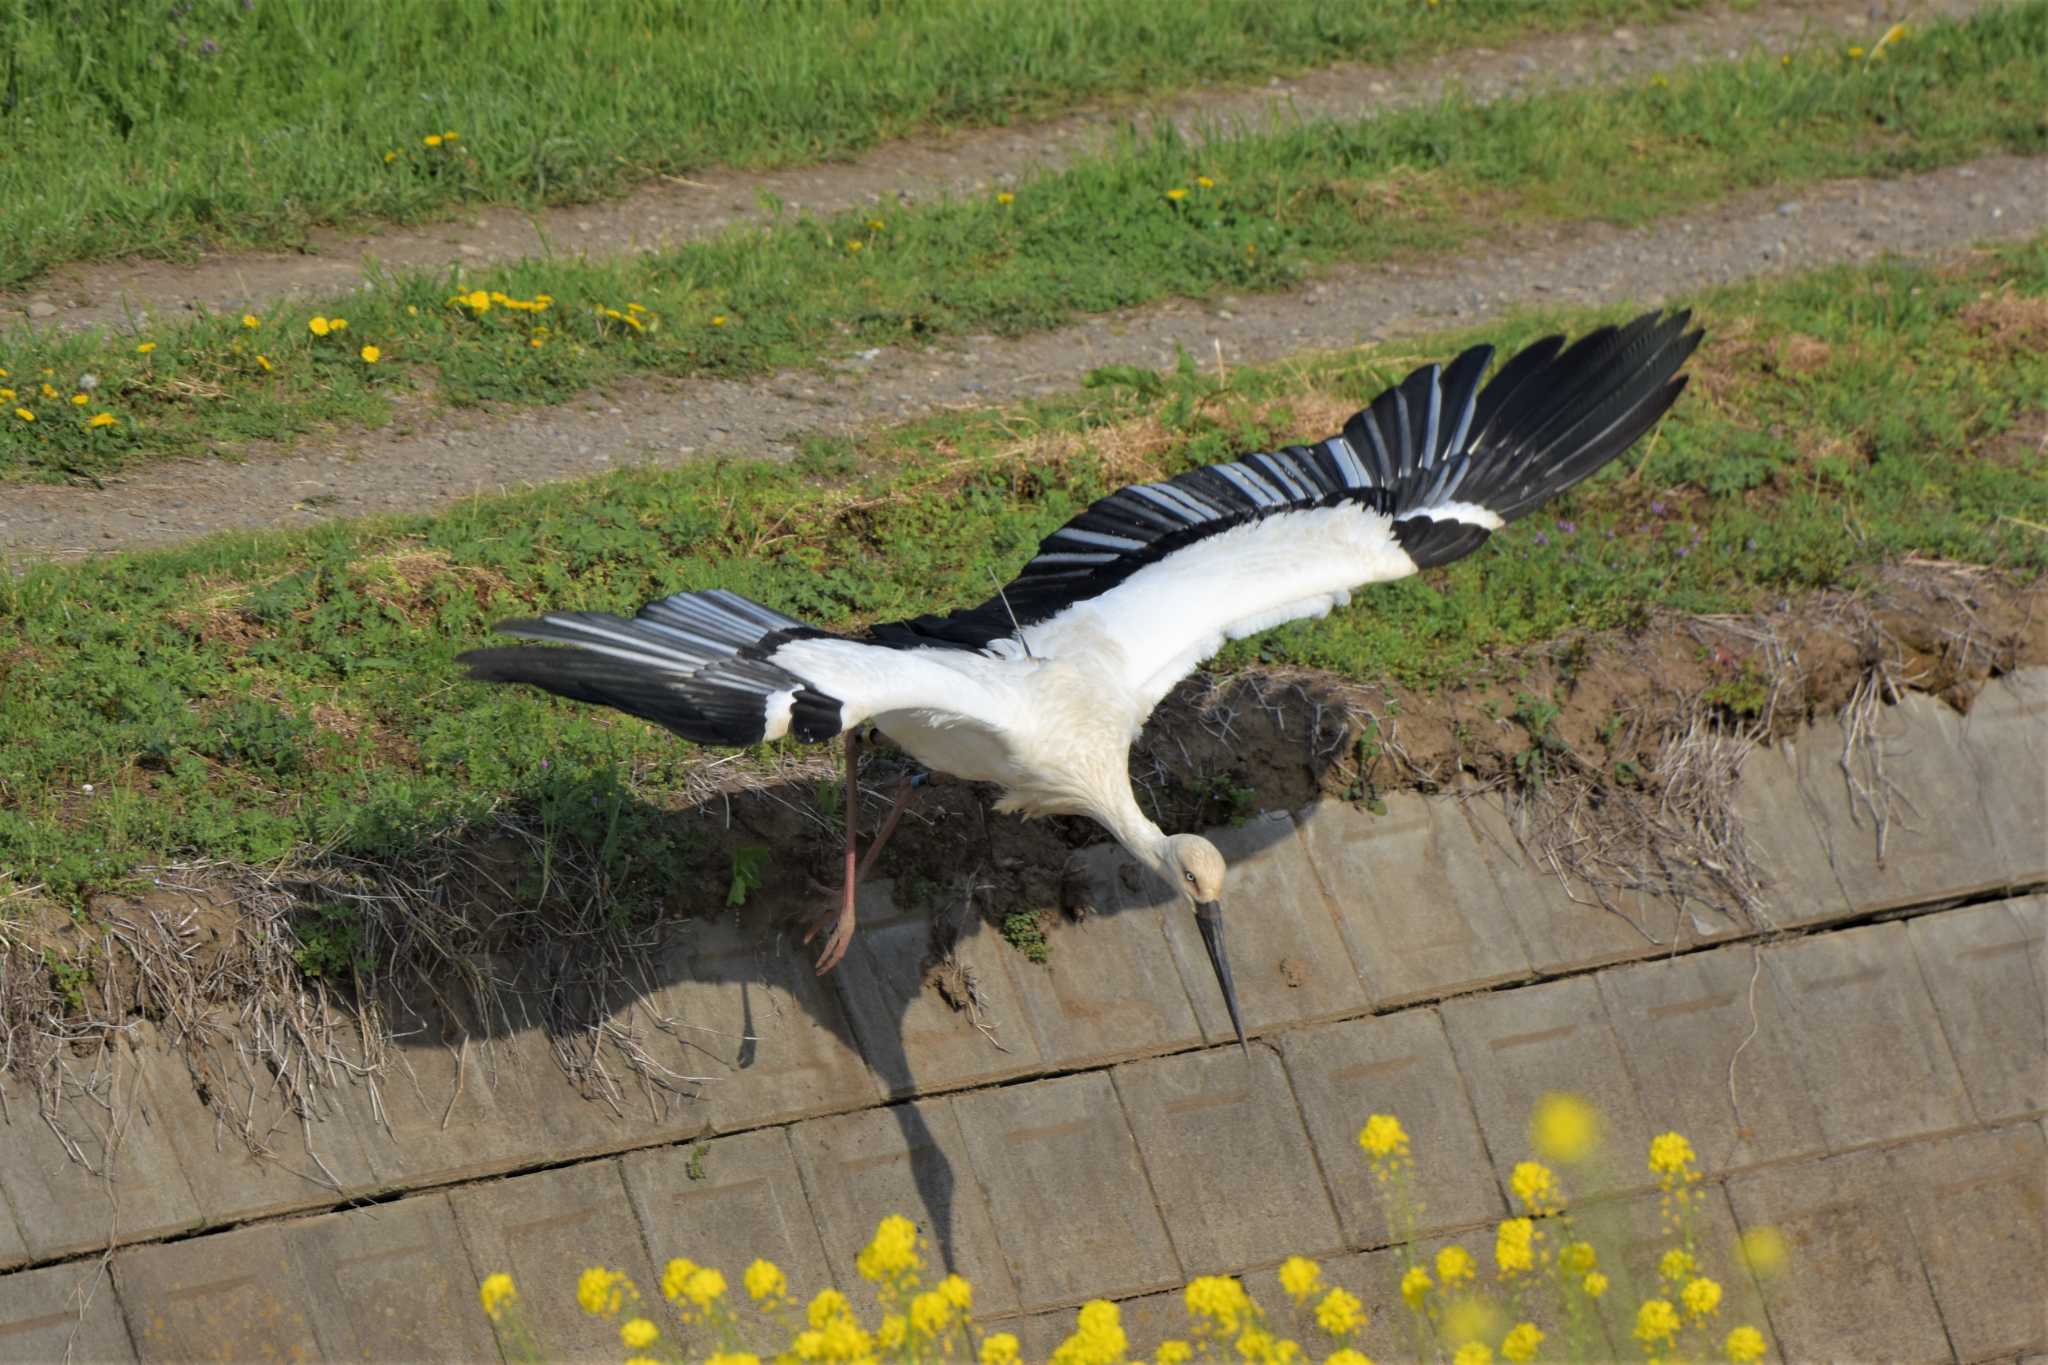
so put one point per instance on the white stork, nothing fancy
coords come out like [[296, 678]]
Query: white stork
[[1043, 688]]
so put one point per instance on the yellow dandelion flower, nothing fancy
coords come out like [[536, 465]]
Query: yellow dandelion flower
[[1300, 1277], [251, 321], [1514, 1246], [371, 355], [3, 373], [1414, 1285], [478, 300], [1595, 1284], [957, 1292], [718, 319], [1002, 1348], [1564, 1128], [854, 244], [7, 394], [450, 136], [1855, 54], [638, 1333], [1577, 1258], [1005, 197], [1701, 1296], [79, 400], [1745, 1344], [24, 414], [390, 157], [1205, 182], [1177, 193], [338, 324], [1383, 1136], [874, 225], [534, 342], [1891, 35], [1535, 1186], [49, 391], [264, 361], [1763, 1250], [318, 326], [1670, 1154], [106, 419], [1453, 1265], [496, 1292], [412, 310], [1674, 1264], [432, 139], [1656, 1321], [1522, 1341], [1473, 1353], [1340, 1313], [765, 1280], [145, 348]]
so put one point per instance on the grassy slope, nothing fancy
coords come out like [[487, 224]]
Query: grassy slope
[[1098, 236], [254, 695], [158, 127]]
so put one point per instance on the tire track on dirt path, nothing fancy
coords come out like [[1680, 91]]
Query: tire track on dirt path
[[394, 471], [676, 209]]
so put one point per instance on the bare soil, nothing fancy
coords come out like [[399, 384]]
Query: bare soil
[[128, 293], [428, 461]]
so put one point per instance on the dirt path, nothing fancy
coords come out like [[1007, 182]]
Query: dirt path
[[122, 293], [399, 470]]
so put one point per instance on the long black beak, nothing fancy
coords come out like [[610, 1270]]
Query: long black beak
[[1209, 919]]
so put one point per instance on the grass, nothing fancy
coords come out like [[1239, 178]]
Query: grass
[[257, 699], [160, 128], [1258, 213]]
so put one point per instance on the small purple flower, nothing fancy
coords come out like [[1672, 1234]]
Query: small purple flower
[[1610, 533], [209, 47], [1684, 551], [1542, 539], [543, 765], [1657, 507], [1567, 528]]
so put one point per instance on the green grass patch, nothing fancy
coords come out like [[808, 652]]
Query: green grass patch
[[159, 128], [1167, 217], [249, 698]]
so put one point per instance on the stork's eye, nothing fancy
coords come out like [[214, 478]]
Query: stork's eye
[[1190, 876]]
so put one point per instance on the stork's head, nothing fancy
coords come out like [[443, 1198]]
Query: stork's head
[[1198, 870]]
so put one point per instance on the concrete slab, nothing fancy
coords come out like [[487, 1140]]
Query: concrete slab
[[724, 1202], [911, 1036], [296, 1162], [129, 1185], [1978, 1205], [1852, 1286], [909, 1159], [2005, 735], [1871, 1048], [1727, 1078], [1397, 1064], [1513, 1047], [1286, 954], [751, 1013], [1936, 840], [232, 1296], [1228, 1158], [1070, 1199], [545, 1230], [1415, 897], [1631, 1235], [62, 1312], [1778, 824], [13, 1250], [1110, 989], [389, 1282], [1982, 966], [1565, 924]]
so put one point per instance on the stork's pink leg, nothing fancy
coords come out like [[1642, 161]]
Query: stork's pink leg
[[841, 937]]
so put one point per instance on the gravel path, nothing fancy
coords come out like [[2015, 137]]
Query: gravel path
[[398, 470], [125, 293]]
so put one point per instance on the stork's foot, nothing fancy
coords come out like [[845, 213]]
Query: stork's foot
[[838, 919]]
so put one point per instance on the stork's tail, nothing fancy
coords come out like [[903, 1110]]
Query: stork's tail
[[1550, 418], [698, 663]]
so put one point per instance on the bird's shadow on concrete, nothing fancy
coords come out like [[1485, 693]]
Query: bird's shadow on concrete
[[694, 1018]]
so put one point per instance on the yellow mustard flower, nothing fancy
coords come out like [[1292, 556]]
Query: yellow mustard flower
[[1674, 1264], [1670, 1154], [79, 400], [1701, 1296], [892, 1252], [1414, 1285], [674, 1276], [1347, 1356], [1174, 1351], [1656, 1321], [24, 414], [957, 1292], [1177, 193], [106, 419], [1001, 1348], [1340, 1313], [1383, 1136], [930, 1314], [1454, 1265], [1763, 1250], [1595, 1284], [318, 325], [727, 1358], [1473, 1353], [1564, 1128], [1577, 1258], [1300, 1277], [764, 1280], [642, 1360], [892, 1331], [600, 1291], [1005, 197], [371, 355], [1522, 1341], [497, 1291], [828, 1305], [432, 139], [1205, 182], [1535, 1186], [264, 361], [704, 1287], [1219, 1298], [1745, 1344], [145, 348], [638, 1333], [1514, 1246], [1098, 1337], [251, 321]]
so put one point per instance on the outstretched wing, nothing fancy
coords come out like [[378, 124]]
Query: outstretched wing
[[1166, 572]]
